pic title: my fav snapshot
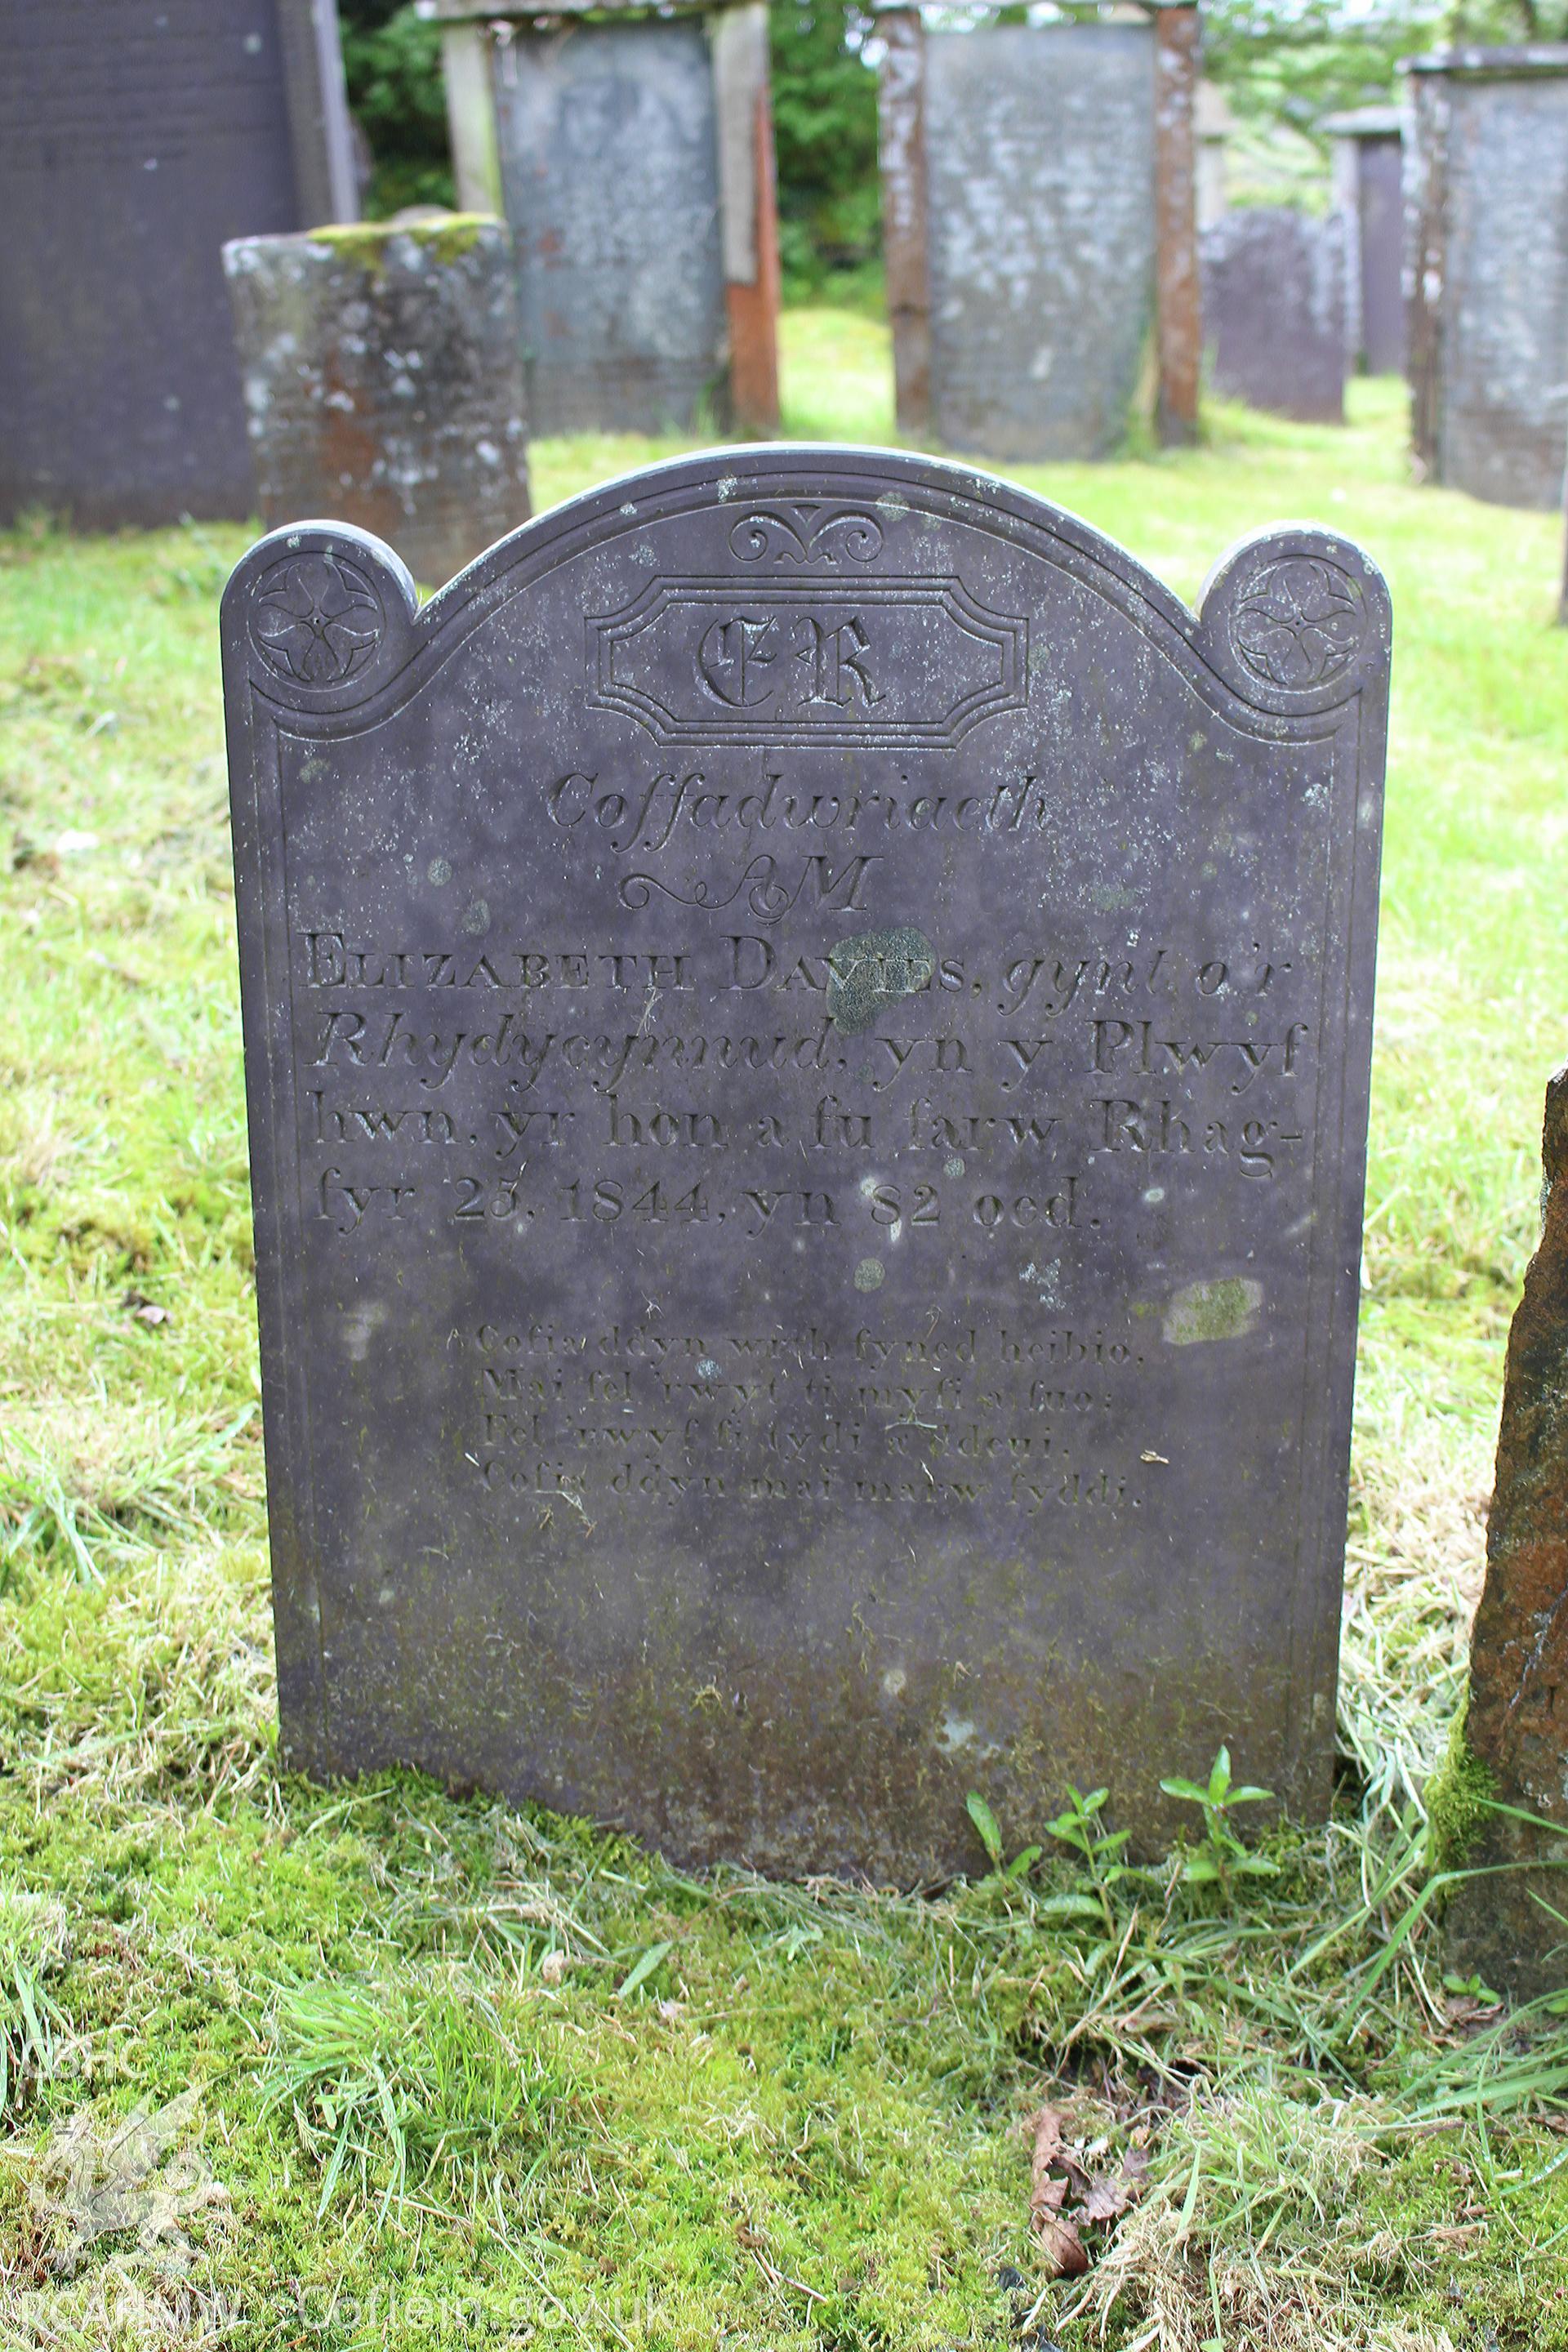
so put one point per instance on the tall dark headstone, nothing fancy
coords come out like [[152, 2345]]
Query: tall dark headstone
[[1274, 310], [806, 1028], [1486, 266], [383, 383], [633, 156], [1369, 189], [135, 137], [1040, 221], [1506, 1922]]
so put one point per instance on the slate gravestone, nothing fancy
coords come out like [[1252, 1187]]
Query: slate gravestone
[[806, 1028], [1274, 310], [135, 136], [609, 163], [633, 156], [1506, 1924], [1019, 193], [1369, 188], [383, 383], [1486, 232]]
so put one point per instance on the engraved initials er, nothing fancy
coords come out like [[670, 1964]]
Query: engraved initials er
[[835, 659], [729, 653]]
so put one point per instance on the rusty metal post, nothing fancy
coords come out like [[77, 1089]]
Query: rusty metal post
[[1178, 296], [751, 236], [901, 112]]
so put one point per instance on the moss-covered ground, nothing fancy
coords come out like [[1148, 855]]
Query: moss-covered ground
[[285, 2066]]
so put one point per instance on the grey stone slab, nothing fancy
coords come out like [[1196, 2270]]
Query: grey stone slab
[[1368, 146], [806, 1030], [1381, 226], [1274, 310], [1488, 201], [1040, 221], [608, 147], [383, 383], [135, 137]]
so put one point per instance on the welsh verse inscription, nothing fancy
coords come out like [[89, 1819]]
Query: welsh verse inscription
[[808, 1040]]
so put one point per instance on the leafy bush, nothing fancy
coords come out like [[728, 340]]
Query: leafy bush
[[392, 60], [824, 131]]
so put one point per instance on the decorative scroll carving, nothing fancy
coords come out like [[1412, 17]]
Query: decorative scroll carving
[[767, 535]]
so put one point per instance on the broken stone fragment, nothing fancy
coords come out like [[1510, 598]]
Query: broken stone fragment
[[1510, 1925], [383, 375]]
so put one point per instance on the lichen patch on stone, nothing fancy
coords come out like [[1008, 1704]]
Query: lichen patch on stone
[[1225, 1309], [872, 971]]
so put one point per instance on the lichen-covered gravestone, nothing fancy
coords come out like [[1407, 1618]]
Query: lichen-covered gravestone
[[1507, 1923], [134, 137], [807, 1028], [383, 383], [630, 146], [1039, 220], [1487, 248], [1274, 310]]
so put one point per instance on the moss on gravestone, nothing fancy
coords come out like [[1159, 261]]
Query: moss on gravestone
[[366, 242], [1457, 1798]]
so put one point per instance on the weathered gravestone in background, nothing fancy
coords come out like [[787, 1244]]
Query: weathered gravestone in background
[[1274, 310], [1508, 1924], [1039, 223], [1369, 191], [806, 1028], [632, 157], [383, 383], [135, 137], [1487, 243]]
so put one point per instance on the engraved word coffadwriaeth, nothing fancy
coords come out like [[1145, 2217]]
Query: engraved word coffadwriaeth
[[807, 1029]]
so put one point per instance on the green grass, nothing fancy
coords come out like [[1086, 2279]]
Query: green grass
[[371, 2066]]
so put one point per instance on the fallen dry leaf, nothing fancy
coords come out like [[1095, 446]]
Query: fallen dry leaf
[[1110, 2197], [144, 1311], [1468, 2009], [1044, 2131], [1064, 2251], [1055, 2169]]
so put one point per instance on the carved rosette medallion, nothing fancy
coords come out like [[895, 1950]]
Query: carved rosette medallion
[[316, 620], [1299, 625]]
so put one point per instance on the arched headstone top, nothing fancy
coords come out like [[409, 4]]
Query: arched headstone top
[[1293, 620]]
